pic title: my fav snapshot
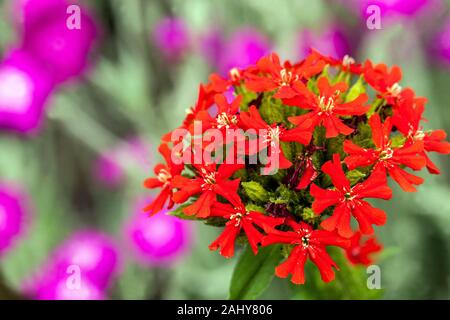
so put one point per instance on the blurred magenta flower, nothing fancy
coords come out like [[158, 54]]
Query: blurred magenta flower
[[244, 48], [108, 171], [81, 268], [59, 289], [24, 89], [441, 43], [13, 211], [46, 35], [210, 45], [28, 13], [112, 165], [92, 251], [332, 41], [171, 36], [159, 240], [397, 8]]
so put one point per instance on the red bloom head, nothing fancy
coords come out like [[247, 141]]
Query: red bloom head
[[281, 179]]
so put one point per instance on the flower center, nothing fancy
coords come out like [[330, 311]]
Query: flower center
[[235, 74], [386, 154], [349, 197], [326, 106], [209, 178], [286, 77], [419, 135], [240, 213], [164, 176], [347, 60], [225, 120], [395, 90], [273, 136], [305, 241]]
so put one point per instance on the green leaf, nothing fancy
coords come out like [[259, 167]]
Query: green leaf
[[178, 212], [363, 138], [254, 207], [215, 221], [253, 274], [398, 141], [309, 216], [355, 91], [255, 191], [377, 103], [271, 110], [336, 145], [354, 176], [247, 97], [350, 282]]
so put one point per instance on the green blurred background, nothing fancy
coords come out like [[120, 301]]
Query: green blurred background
[[132, 90]]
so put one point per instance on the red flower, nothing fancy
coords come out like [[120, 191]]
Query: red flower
[[164, 176], [327, 107], [204, 101], [270, 74], [309, 173], [347, 63], [386, 157], [209, 183], [383, 80], [239, 218], [360, 250], [308, 243], [217, 84], [407, 117], [349, 200], [227, 114], [272, 135]]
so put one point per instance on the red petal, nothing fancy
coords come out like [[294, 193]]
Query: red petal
[[294, 265], [226, 240], [326, 238], [159, 202], [254, 237], [152, 183], [323, 261], [358, 157], [404, 179], [340, 221], [354, 107], [366, 215], [333, 168], [323, 198], [202, 206], [374, 187]]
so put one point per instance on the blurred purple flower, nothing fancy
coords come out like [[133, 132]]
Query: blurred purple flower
[[397, 8], [89, 255], [210, 45], [29, 13], [171, 36], [441, 44], [244, 48], [58, 289], [24, 89], [332, 41], [62, 50], [92, 251], [161, 239], [112, 165], [13, 211], [108, 171]]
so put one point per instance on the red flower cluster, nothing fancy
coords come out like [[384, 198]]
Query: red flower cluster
[[322, 129]]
